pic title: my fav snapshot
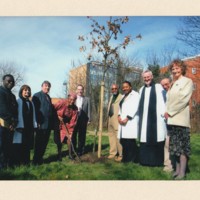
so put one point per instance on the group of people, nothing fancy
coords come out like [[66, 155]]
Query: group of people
[[26, 123], [150, 126], [157, 118]]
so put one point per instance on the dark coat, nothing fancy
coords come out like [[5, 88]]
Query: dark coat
[[8, 106], [85, 110], [43, 110]]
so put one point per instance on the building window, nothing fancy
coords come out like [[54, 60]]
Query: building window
[[194, 70], [194, 86]]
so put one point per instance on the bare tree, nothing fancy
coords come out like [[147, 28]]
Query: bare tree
[[189, 33], [158, 59], [14, 69], [101, 38], [168, 53]]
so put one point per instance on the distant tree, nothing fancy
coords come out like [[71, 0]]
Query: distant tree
[[153, 62], [14, 69], [189, 33], [156, 60], [155, 68], [128, 69], [168, 53], [102, 38]]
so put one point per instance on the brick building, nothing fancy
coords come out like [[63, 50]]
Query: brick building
[[79, 75]]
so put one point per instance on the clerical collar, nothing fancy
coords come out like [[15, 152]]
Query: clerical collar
[[152, 83]]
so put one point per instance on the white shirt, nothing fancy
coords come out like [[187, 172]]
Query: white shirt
[[79, 102]]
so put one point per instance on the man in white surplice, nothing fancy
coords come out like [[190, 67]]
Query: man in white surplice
[[152, 126]]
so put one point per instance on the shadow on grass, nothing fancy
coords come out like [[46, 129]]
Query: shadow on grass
[[88, 150], [8, 175]]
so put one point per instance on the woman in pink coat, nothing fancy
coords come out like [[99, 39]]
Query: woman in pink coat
[[66, 113]]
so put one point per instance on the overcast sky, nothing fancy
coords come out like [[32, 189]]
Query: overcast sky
[[46, 46]]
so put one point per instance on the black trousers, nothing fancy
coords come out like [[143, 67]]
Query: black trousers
[[129, 150], [20, 154], [41, 141], [6, 138], [80, 131]]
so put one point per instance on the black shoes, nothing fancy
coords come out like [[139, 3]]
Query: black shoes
[[59, 158]]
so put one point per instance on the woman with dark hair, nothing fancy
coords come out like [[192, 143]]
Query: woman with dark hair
[[178, 116], [23, 135], [128, 122]]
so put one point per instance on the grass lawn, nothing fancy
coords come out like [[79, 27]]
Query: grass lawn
[[92, 168]]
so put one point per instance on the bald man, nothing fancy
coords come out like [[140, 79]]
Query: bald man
[[115, 151], [166, 83]]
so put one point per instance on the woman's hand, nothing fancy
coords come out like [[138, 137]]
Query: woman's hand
[[122, 122], [125, 121], [166, 115]]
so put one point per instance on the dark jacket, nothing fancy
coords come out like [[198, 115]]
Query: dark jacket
[[8, 106], [85, 110], [43, 110]]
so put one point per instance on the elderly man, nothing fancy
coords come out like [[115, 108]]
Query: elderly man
[[8, 119], [166, 83], [152, 126], [113, 110]]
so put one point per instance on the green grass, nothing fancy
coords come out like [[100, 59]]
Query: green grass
[[102, 169]]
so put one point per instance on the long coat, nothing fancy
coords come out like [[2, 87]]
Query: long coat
[[177, 105], [69, 115], [85, 114], [113, 119], [8, 106], [26, 133], [160, 109], [129, 108], [20, 123], [43, 110]]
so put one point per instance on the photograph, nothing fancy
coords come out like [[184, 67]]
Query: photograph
[[100, 98]]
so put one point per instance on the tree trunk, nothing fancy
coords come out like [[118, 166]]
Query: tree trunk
[[101, 118]]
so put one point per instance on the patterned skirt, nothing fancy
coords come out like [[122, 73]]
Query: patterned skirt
[[179, 142]]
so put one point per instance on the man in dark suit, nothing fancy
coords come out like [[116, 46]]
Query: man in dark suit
[[83, 104], [8, 119], [44, 117]]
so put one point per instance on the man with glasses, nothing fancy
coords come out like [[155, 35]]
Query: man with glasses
[[8, 119], [115, 151]]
